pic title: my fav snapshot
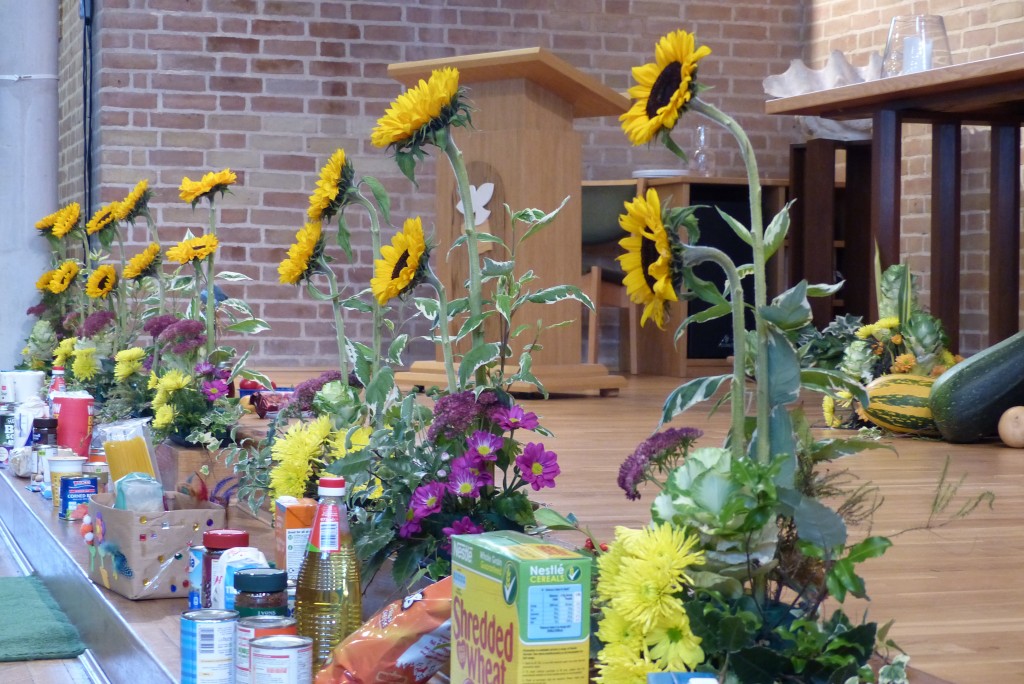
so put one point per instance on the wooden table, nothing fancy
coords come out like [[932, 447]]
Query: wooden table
[[987, 92]]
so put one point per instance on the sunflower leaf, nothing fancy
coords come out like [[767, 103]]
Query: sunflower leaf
[[407, 165], [542, 221], [742, 232], [823, 290], [496, 269], [249, 326], [475, 358], [667, 140], [344, 238], [396, 348], [775, 233], [471, 324], [316, 294], [380, 195], [690, 394], [428, 308], [356, 304], [558, 293]]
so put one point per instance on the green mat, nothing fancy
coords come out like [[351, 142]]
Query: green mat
[[40, 631]]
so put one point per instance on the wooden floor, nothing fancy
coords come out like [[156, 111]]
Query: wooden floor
[[956, 593]]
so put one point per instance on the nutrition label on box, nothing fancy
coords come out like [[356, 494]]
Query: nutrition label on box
[[555, 612]]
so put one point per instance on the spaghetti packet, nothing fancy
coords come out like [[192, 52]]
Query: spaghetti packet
[[406, 642]]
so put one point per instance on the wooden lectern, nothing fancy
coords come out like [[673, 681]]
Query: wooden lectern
[[522, 141]]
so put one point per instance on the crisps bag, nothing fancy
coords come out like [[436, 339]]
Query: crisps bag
[[406, 642]]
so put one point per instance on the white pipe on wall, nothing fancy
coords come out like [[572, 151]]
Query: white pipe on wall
[[28, 159]]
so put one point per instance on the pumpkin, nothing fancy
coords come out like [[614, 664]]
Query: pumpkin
[[899, 403]]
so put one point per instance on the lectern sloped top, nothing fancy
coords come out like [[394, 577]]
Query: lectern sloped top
[[588, 96]]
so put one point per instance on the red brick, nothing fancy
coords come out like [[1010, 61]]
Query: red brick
[[175, 62], [129, 60], [339, 107], [186, 82], [278, 66], [376, 12], [189, 102], [236, 84], [175, 158], [389, 33], [265, 27], [249, 7], [296, 48], [232, 44], [288, 8], [128, 20], [189, 23], [276, 104], [178, 121], [288, 162], [129, 100]]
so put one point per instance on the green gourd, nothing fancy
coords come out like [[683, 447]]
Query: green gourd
[[969, 398]]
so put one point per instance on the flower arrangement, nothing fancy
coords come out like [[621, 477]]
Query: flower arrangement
[[420, 468]]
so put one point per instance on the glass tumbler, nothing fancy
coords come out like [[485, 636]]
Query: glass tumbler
[[916, 42]]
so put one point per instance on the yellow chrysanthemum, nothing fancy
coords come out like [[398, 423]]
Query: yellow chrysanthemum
[[154, 380], [164, 417], [335, 177], [399, 264], [192, 191], [648, 258], [63, 277], [193, 249], [865, 331], [134, 204], [430, 103], [65, 348], [161, 398], [294, 454], [101, 282], [828, 410], [615, 629], [61, 222], [904, 363], [85, 365], [128, 363], [359, 439], [887, 323], [620, 665], [174, 380], [663, 88], [673, 645], [300, 262], [43, 284], [142, 263], [104, 216]]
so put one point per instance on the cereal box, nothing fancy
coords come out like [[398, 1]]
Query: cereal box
[[520, 611], [293, 519]]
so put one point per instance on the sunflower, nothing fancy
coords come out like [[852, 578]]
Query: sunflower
[[104, 217], [142, 263], [648, 261], [101, 282], [335, 179], [663, 88], [193, 249], [301, 261], [135, 203], [63, 276], [61, 222], [193, 191], [399, 269], [418, 113], [43, 284]]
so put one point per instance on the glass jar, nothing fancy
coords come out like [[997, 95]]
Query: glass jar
[[216, 543], [261, 591], [44, 431]]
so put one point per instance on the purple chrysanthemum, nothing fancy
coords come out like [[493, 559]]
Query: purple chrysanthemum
[[183, 336], [661, 452], [222, 373], [474, 465], [157, 324], [427, 499], [411, 525], [539, 467], [455, 413], [515, 418], [464, 526], [465, 483], [485, 445], [215, 389], [204, 368]]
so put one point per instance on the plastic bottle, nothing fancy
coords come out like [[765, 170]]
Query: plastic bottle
[[57, 384], [328, 603]]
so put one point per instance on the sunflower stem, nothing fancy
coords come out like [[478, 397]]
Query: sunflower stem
[[158, 272], [378, 310], [122, 296], [339, 322], [442, 326], [458, 164], [211, 299], [694, 255], [763, 447]]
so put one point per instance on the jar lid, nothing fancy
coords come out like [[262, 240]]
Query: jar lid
[[225, 539], [261, 580], [44, 422], [331, 486]]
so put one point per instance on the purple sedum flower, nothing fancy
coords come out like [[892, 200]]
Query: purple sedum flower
[[96, 322], [538, 467], [156, 325], [454, 414], [662, 452], [515, 418], [183, 336], [485, 445]]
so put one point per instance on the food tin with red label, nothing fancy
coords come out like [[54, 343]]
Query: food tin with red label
[[257, 627], [282, 660]]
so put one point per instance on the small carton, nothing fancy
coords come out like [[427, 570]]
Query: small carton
[[293, 519], [520, 611]]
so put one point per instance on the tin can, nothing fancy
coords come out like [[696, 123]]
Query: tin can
[[75, 492], [282, 660], [101, 471], [195, 577], [257, 627], [208, 646]]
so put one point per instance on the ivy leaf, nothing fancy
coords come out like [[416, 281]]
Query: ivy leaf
[[690, 394], [380, 387]]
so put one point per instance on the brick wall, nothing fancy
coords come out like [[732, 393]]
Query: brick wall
[[71, 136], [270, 88], [977, 29]]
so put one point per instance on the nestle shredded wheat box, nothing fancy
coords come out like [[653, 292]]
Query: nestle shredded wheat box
[[520, 611]]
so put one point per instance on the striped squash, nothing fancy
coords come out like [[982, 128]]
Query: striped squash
[[899, 403]]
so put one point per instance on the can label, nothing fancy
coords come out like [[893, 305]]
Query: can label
[[195, 577], [208, 646], [257, 627], [282, 660], [74, 496]]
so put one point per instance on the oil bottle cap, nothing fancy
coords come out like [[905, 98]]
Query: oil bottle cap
[[331, 486]]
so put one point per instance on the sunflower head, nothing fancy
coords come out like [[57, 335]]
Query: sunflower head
[[61, 222], [43, 284], [144, 263], [422, 115], [663, 88], [303, 255], [331, 188], [193, 249], [101, 282], [652, 260], [135, 203], [208, 186], [403, 263], [105, 218], [64, 275]]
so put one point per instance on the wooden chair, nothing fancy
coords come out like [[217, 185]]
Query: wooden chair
[[609, 292]]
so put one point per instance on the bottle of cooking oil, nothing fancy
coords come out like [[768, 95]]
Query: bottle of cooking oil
[[328, 605]]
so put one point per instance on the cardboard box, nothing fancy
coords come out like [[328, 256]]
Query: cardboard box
[[293, 519], [520, 611], [145, 555]]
